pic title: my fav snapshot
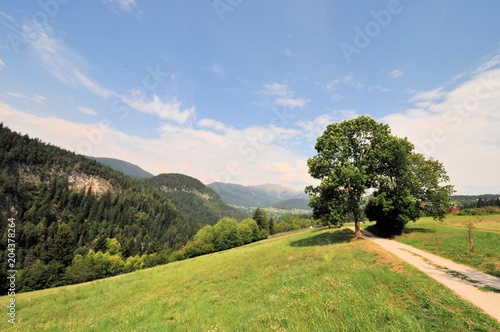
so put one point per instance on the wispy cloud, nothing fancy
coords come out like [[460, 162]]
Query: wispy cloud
[[311, 129], [351, 82], [65, 65], [290, 102], [213, 124], [36, 98], [288, 53], [379, 88], [2, 64], [58, 60], [275, 89], [282, 95], [397, 73], [166, 110], [216, 69], [332, 86], [424, 99], [488, 64], [87, 110]]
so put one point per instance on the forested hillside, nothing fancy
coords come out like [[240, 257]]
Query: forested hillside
[[477, 201], [66, 205], [192, 196]]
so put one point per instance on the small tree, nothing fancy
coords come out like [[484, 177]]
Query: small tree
[[470, 227], [260, 216], [113, 246], [226, 234], [63, 245], [248, 231]]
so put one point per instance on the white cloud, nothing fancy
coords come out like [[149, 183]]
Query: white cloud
[[213, 152], [460, 128], [396, 73], [282, 95], [2, 64], [166, 110], [87, 110], [213, 124]]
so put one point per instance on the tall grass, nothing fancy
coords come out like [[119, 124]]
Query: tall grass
[[313, 281]]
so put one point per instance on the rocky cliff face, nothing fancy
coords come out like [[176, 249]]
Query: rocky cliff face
[[76, 180], [80, 181]]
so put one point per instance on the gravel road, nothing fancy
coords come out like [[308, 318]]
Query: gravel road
[[463, 280]]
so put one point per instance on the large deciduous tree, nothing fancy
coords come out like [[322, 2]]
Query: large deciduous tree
[[359, 156]]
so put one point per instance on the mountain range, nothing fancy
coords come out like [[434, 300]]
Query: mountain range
[[244, 197], [260, 195]]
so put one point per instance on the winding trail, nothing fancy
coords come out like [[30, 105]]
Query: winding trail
[[462, 279]]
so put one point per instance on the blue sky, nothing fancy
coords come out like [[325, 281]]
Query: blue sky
[[238, 90]]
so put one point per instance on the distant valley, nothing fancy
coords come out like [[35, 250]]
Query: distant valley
[[263, 196]]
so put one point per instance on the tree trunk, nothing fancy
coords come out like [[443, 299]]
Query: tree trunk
[[471, 242], [357, 228]]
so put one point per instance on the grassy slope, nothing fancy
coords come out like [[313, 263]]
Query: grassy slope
[[312, 281], [452, 240]]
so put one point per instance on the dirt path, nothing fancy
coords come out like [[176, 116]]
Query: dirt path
[[463, 280]]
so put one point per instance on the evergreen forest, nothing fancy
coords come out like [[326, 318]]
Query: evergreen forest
[[78, 220]]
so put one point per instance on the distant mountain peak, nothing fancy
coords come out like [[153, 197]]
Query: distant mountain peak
[[124, 166]]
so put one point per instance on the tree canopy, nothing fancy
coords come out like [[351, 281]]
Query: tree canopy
[[360, 156]]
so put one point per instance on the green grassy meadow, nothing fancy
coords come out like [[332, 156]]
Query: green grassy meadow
[[319, 280], [452, 240]]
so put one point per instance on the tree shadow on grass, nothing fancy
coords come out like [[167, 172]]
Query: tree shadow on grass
[[418, 230], [373, 229], [325, 239]]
